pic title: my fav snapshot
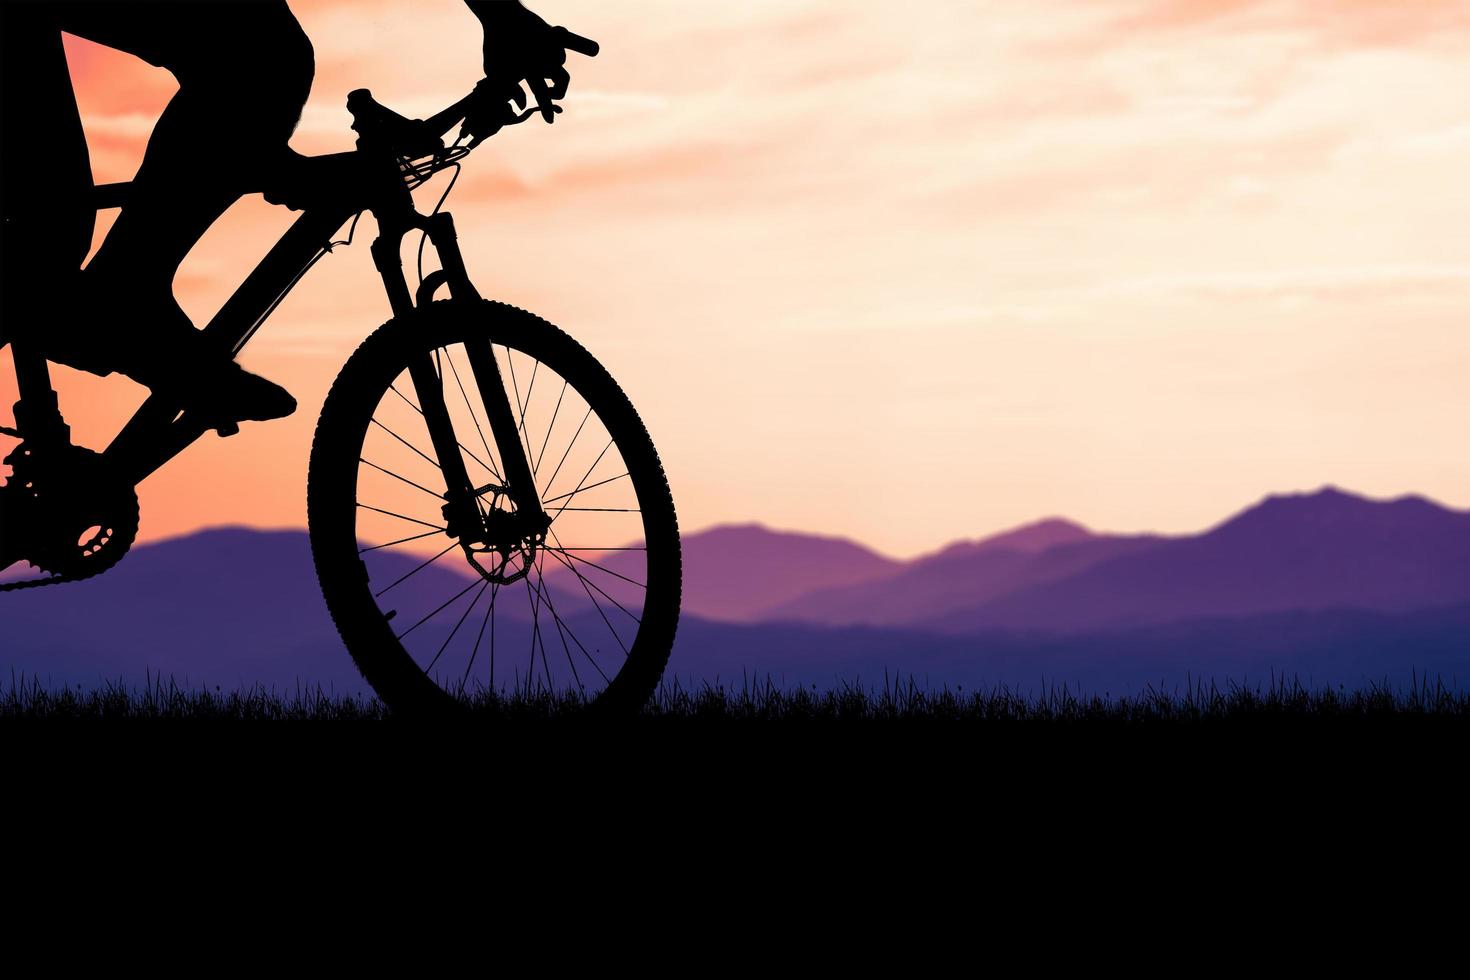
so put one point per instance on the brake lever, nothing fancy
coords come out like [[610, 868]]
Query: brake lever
[[532, 111], [512, 118]]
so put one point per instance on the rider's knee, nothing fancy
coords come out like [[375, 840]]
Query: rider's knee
[[293, 62], [283, 67], [263, 76]]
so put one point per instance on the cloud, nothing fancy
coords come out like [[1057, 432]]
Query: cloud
[[1424, 283], [1340, 24]]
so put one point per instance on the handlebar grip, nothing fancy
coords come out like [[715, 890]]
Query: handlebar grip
[[577, 43], [367, 110], [378, 125]]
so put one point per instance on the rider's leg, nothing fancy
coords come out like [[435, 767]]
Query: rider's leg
[[46, 217], [244, 72]]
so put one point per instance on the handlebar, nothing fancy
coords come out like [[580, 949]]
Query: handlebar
[[577, 43], [378, 126]]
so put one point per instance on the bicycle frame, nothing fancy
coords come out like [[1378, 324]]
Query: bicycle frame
[[158, 432]]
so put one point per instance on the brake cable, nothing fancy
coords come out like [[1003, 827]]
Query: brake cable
[[449, 155]]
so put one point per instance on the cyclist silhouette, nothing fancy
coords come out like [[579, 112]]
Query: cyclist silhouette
[[244, 71]]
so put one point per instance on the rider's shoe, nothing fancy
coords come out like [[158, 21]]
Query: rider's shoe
[[169, 355], [206, 380], [222, 392]]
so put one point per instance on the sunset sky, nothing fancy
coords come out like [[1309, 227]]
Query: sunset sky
[[915, 272]]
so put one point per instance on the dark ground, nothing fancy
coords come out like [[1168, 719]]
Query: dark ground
[[990, 793]]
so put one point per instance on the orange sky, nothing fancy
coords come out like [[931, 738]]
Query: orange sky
[[912, 279]]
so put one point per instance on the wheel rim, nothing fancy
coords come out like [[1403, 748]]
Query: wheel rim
[[563, 614]]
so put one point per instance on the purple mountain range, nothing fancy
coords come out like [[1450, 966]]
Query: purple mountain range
[[737, 572], [1330, 584], [1315, 551], [929, 589], [1327, 550]]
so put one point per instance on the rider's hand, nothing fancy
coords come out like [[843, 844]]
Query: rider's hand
[[286, 179], [521, 47]]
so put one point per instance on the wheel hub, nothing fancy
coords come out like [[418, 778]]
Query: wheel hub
[[503, 546]]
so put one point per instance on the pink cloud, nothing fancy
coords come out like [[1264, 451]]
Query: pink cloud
[[1339, 23]]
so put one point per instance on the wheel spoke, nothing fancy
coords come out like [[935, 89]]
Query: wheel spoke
[[573, 495], [476, 419], [536, 638], [597, 605], [521, 407], [561, 626], [567, 551], [557, 553], [415, 571], [436, 612], [562, 461], [489, 617], [436, 496], [593, 486], [536, 468], [466, 615], [390, 544], [411, 520], [587, 582], [410, 445], [467, 451]]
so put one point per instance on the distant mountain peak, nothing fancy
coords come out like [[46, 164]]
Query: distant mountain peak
[[1336, 512], [1332, 504], [1327, 493], [756, 530], [1030, 539], [1330, 493], [731, 571]]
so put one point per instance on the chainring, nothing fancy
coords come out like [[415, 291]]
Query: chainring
[[66, 513]]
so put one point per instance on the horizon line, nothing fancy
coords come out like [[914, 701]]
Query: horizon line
[[1325, 489]]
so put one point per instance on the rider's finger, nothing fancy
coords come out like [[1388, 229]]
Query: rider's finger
[[501, 87], [543, 97], [560, 79], [517, 96], [578, 43]]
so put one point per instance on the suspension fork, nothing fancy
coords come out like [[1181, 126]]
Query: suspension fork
[[461, 510]]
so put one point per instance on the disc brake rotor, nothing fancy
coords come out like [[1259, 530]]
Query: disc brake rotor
[[505, 547]]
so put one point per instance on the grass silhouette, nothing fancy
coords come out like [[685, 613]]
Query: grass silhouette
[[766, 703]]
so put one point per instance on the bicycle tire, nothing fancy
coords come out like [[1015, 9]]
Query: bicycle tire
[[397, 673]]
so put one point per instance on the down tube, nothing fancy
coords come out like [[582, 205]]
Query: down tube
[[246, 310]]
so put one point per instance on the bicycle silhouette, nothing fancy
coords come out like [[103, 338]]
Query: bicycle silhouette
[[485, 507]]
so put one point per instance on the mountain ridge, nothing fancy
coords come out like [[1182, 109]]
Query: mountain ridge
[[1319, 581], [1321, 550]]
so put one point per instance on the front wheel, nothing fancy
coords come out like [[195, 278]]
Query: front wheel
[[589, 606]]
